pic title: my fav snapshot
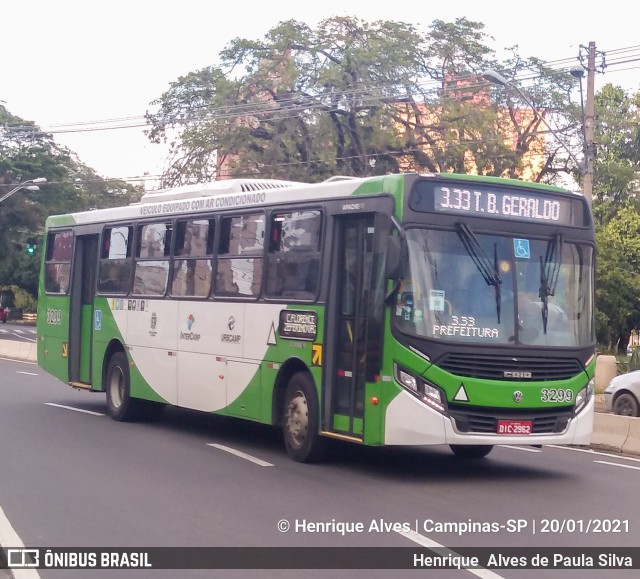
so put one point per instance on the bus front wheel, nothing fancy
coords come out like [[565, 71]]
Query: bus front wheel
[[471, 451], [301, 418], [120, 405]]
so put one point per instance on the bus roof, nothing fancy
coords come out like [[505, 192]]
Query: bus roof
[[246, 193], [226, 194], [216, 188]]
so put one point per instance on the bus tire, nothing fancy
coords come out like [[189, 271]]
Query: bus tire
[[471, 451], [120, 405], [300, 419]]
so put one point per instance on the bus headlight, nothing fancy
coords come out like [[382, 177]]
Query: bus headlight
[[430, 394], [434, 397], [584, 395], [407, 380]]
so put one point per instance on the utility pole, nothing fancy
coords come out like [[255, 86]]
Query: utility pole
[[589, 121]]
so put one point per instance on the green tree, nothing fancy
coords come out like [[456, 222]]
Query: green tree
[[27, 153], [350, 97], [617, 139], [618, 278], [301, 104], [616, 212]]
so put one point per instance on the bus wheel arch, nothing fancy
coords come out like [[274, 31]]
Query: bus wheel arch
[[301, 419], [113, 347], [117, 385], [287, 370]]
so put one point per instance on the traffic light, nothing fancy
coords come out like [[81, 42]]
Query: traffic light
[[31, 249]]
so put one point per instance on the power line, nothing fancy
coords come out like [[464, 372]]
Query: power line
[[231, 110], [291, 106]]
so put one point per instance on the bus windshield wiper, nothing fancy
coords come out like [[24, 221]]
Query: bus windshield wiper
[[489, 270], [549, 273]]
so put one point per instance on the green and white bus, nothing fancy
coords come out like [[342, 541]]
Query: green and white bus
[[410, 309]]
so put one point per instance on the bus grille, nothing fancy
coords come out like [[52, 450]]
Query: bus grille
[[500, 367], [485, 421]]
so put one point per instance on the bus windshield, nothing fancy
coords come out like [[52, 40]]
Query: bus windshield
[[464, 286]]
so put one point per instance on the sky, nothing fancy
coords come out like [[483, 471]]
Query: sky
[[66, 62]]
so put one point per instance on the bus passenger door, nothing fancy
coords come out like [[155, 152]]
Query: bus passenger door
[[85, 261], [348, 326]]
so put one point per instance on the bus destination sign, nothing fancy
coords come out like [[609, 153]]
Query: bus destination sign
[[499, 203], [502, 203]]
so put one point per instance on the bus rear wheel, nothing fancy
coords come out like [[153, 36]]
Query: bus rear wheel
[[471, 451], [300, 420], [120, 405]]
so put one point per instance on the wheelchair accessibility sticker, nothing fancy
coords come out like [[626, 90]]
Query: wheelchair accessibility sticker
[[521, 248]]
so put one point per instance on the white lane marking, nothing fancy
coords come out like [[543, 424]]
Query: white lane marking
[[27, 373], [18, 361], [74, 409], [591, 451], [617, 464], [19, 333], [241, 454], [9, 538], [430, 544], [520, 448]]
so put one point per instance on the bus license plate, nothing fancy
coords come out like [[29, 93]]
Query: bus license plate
[[515, 427]]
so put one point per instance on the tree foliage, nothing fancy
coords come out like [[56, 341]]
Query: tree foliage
[[617, 137], [27, 153], [617, 275], [617, 215], [353, 98]]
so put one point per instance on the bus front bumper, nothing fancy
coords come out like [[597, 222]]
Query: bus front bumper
[[409, 422]]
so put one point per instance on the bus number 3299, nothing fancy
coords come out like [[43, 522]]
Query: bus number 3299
[[54, 317]]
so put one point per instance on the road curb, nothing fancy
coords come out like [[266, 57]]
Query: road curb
[[632, 444], [23, 351], [610, 432]]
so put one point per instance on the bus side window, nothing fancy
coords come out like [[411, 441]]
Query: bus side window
[[114, 269], [58, 262], [192, 266], [152, 259], [294, 255], [240, 255]]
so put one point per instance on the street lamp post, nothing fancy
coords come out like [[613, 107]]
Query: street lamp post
[[30, 185], [497, 78]]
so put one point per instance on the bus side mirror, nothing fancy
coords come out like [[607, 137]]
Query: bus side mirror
[[394, 254]]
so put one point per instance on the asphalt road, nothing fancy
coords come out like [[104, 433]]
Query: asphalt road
[[72, 477], [18, 332]]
